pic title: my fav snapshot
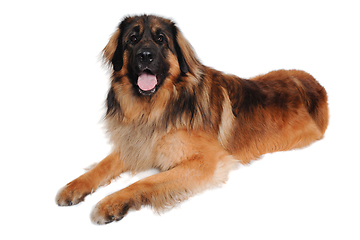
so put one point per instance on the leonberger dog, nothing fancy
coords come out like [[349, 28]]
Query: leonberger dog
[[168, 111]]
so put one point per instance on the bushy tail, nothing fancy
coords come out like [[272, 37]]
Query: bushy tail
[[314, 96]]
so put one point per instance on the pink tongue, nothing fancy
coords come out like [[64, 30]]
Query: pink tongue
[[146, 81]]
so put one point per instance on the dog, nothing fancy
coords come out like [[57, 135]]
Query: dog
[[166, 110]]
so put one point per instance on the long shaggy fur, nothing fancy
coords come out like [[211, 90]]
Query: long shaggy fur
[[195, 126]]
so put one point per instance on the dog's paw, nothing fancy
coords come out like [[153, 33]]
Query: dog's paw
[[73, 193], [110, 209]]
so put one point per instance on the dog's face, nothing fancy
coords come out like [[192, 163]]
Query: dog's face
[[145, 49], [154, 70]]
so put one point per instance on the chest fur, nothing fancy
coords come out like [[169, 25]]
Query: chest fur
[[142, 147]]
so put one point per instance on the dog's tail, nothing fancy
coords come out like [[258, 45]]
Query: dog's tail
[[314, 97]]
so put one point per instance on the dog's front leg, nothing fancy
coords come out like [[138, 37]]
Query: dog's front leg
[[106, 170], [166, 189]]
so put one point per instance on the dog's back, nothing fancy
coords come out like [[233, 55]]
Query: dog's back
[[277, 111]]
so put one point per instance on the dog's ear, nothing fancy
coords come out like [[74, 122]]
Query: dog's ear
[[188, 61], [112, 53], [114, 50]]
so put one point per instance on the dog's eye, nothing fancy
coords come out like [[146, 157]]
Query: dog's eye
[[133, 38], [160, 38]]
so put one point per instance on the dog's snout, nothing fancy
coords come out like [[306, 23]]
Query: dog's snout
[[145, 56]]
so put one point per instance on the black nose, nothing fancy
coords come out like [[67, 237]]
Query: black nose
[[145, 56]]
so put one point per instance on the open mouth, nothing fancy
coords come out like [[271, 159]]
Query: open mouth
[[147, 83]]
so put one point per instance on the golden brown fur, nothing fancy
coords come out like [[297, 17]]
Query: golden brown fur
[[195, 126]]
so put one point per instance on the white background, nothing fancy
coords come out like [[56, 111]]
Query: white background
[[52, 94]]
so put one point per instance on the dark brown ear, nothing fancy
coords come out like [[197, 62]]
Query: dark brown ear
[[182, 63], [188, 61], [113, 51], [111, 48]]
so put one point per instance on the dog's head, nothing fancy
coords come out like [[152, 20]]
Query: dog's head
[[147, 50]]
